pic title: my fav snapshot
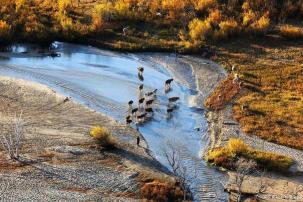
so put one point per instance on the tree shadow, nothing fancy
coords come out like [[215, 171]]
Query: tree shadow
[[137, 158]]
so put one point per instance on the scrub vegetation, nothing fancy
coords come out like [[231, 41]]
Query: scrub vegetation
[[161, 190], [270, 103], [140, 25], [228, 155], [104, 137]]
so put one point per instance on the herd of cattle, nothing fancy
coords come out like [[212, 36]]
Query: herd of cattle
[[146, 101]]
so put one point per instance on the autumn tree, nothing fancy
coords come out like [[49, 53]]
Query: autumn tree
[[5, 31]]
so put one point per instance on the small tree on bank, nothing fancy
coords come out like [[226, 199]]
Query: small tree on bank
[[186, 177], [13, 139]]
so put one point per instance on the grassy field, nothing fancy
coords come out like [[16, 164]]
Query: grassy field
[[270, 104]]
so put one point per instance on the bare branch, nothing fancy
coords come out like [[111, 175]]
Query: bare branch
[[12, 140], [172, 153]]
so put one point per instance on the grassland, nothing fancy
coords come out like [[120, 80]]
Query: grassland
[[271, 68]]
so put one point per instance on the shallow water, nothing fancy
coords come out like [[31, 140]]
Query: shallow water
[[106, 81]]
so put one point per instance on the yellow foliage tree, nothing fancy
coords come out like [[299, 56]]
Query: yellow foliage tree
[[203, 5], [5, 30], [19, 4], [64, 6], [102, 13], [199, 29]]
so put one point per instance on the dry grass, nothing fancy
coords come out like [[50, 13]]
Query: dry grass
[[155, 186], [272, 70], [47, 154], [291, 32], [227, 156], [223, 94], [9, 165]]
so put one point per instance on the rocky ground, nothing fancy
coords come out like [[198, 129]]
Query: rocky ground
[[59, 160], [267, 188]]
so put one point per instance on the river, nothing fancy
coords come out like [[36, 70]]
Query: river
[[105, 81]]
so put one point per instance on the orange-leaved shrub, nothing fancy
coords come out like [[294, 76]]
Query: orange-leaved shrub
[[162, 191], [5, 31], [204, 5], [223, 94]]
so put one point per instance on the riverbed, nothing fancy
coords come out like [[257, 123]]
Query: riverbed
[[106, 81]]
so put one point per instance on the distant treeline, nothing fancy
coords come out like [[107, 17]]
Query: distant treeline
[[190, 21]]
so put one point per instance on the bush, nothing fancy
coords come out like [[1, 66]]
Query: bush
[[227, 29], [261, 26], [5, 30], [271, 160], [162, 191], [64, 6], [223, 94], [104, 137], [202, 6], [102, 13], [199, 30], [237, 146], [227, 156], [291, 32], [256, 16]]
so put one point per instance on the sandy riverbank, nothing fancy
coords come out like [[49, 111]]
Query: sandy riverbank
[[64, 163]]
